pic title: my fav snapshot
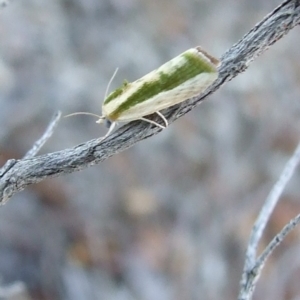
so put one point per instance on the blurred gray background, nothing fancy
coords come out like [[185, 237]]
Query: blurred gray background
[[168, 219]]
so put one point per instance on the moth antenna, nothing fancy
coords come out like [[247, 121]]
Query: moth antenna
[[110, 81], [86, 113]]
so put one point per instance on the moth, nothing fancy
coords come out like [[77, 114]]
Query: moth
[[179, 79]]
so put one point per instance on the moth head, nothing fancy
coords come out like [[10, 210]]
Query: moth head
[[104, 120]]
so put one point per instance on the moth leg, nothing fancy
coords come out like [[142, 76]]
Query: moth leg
[[153, 122], [163, 118], [110, 130]]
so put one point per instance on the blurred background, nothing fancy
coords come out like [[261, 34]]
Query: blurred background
[[168, 219]]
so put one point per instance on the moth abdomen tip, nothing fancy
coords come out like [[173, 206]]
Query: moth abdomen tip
[[215, 61]]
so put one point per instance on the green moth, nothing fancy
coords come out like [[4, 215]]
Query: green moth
[[179, 79]]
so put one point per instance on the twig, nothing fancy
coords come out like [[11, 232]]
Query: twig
[[275, 243], [44, 138], [253, 266], [9, 165], [236, 60], [268, 207]]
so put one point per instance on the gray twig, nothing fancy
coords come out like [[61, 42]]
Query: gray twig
[[253, 265], [9, 165], [275, 242], [44, 138], [236, 60]]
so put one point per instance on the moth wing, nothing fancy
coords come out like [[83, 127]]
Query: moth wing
[[185, 91]]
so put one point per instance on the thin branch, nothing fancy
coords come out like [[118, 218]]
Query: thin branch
[[253, 266], [261, 260], [44, 138], [268, 208], [236, 60], [9, 165], [253, 276]]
